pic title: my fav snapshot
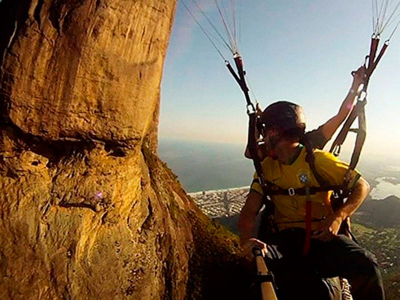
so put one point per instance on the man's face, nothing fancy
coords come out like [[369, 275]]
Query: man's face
[[272, 137]]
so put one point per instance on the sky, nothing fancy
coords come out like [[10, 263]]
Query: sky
[[301, 51]]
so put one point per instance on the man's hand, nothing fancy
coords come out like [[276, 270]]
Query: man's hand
[[248, 246], [331, 225], [329, 228], [358, 77]]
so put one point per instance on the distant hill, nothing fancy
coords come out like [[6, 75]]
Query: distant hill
[[379, 213]]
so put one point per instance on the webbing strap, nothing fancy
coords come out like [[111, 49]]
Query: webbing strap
[[241, 80], [310, 158], [361, 135], [253, 148], [358, 112], [307, 241], [277, 191], [371, 63]]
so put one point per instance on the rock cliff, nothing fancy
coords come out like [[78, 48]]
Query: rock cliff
[[87, 209]]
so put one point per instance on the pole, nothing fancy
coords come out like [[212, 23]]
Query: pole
[[265, 277]]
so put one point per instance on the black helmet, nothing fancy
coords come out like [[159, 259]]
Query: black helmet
[[286, 116]]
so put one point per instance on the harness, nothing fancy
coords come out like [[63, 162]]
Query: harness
[[270, 189]]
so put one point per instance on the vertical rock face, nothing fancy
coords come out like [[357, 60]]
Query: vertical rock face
[[87, 210], [85, 69]]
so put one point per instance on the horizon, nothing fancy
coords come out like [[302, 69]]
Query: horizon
[[204, 166], [344, 155]]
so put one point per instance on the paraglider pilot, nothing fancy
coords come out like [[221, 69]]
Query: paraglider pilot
[[307, 226]]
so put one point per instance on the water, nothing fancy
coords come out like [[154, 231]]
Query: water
[[210, 166], [207, 166], [385, 188]]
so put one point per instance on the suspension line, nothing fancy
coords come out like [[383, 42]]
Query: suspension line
[[226, 26], [223, 40], [391, 19]]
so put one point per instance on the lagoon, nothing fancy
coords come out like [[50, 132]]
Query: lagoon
[[385, 188]]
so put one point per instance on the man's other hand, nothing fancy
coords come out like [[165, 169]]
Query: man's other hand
[[329, 228], [248, 246]]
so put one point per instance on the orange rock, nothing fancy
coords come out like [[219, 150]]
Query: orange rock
[[87, 209]]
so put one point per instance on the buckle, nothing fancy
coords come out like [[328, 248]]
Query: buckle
[[291, 191]]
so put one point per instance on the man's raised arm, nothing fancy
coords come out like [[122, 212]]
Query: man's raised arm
[[330, 127]]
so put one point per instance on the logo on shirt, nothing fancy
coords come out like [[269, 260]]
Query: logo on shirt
[[303, 177]]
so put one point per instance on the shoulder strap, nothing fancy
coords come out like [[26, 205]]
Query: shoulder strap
[[310, 159]]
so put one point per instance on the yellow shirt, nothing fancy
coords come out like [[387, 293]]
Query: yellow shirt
[[290, 211]]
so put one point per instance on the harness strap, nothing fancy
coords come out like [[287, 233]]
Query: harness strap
[[361, 134], [307, 241], [253, 148], [301, 221], [371, 63], [277, 191]]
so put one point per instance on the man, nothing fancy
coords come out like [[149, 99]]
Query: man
[[306, 223], [319, 137]]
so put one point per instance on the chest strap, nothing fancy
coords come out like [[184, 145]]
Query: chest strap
[[274, 190]]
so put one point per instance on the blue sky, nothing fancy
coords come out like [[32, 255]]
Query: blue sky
[[302, 51]]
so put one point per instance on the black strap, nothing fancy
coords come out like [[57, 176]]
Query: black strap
[[302, 191], [358, 112], [371, 62], [241, 80], [361, 134], [253, 147], [266, 278]]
